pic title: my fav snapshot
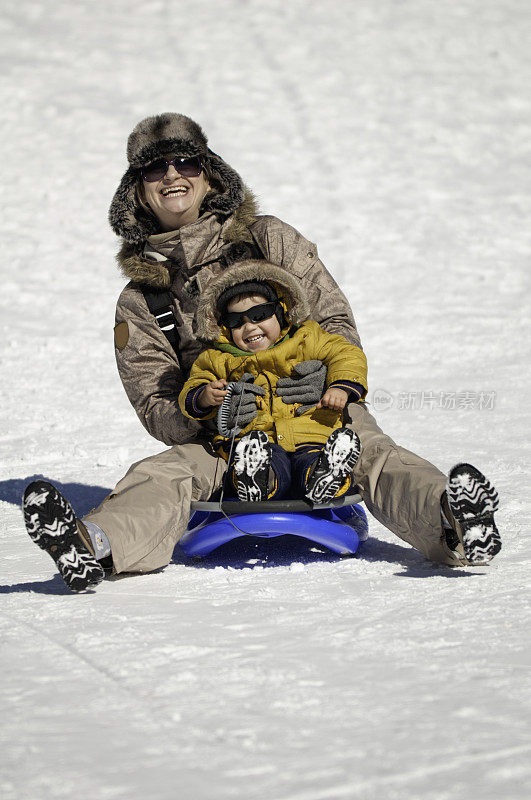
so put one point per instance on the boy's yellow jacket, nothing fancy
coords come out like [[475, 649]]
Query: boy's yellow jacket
[[344, 362]]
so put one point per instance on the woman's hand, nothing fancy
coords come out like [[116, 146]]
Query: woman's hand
[[333, 398], [213, 394]]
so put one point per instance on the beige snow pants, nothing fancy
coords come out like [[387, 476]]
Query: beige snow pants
[[148, 511]]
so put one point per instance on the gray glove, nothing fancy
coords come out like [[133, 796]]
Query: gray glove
[[239, 406], [306, 385]]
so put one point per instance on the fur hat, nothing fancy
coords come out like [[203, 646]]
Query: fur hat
[[284, 284], [155, 137]]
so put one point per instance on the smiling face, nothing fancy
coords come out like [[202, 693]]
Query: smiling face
[[175, 200], [253, 336]]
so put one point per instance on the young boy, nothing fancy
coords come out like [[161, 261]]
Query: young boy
[[256, 317]]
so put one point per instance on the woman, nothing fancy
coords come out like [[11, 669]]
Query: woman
[[184, 215]]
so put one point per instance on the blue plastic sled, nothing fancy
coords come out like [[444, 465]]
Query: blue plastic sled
[[340, 525]]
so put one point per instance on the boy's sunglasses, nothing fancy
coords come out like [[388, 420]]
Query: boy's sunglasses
[[235, 319], [186, 167]]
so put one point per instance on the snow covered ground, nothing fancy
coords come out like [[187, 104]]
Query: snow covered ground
[[396, 135]]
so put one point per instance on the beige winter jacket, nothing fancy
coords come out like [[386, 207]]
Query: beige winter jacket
[[185, 261]]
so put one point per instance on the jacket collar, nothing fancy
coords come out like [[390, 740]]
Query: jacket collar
[[152, 264]]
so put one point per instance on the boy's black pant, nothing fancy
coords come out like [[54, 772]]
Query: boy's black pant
[[290, 470]]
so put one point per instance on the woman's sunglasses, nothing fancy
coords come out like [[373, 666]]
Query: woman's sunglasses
[[235, 319], [186, 167]]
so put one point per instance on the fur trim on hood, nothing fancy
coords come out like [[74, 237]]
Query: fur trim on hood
[[285, 284], [155, 137]]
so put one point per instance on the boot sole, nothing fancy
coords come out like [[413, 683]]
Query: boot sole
[[473, 500], [336, 461], [51, 524], [251, 465]]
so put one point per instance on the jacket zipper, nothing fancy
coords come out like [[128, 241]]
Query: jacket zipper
[[270, 394]]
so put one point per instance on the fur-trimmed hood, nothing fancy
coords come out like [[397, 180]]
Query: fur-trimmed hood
[[153, 138], [286, 286]]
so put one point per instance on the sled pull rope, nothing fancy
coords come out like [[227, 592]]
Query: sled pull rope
[[232, 440]]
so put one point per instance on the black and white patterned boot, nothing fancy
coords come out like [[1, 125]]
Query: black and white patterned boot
[[336, 461], [473, 500], [51, 523], [252, 457]]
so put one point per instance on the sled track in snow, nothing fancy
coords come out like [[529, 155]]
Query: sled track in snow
[[293, 94], [155, 717], [356, 788]]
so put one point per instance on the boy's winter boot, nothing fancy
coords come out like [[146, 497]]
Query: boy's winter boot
[[251, 466], [336, 461], [472, 501], [51, 523]]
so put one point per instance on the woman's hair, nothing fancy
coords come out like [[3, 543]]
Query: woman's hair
[[140, 197], [216, 187]]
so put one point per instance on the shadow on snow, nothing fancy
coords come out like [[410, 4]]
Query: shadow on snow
[[247, 552], [82, 497], [242, 553]]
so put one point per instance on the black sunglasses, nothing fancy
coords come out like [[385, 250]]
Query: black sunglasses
[[186, 167], [235, 319]]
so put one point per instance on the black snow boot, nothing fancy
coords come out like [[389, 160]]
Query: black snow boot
[[252, 458], [335, 463], [51, 523], [472, 500]]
